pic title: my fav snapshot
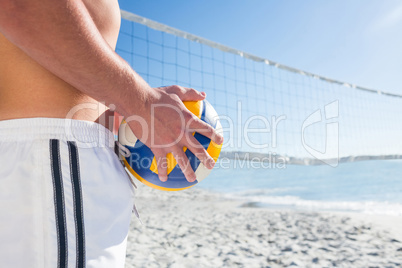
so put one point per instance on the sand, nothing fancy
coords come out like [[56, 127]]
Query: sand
[[198, 228]]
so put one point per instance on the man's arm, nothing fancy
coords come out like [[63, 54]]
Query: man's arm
[[62, 37]]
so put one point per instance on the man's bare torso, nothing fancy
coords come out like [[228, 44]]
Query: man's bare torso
[[28, 90]]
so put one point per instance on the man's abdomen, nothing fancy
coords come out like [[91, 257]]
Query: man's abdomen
[[28, 90]]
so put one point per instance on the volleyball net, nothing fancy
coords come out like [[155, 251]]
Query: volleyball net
[[267, 109]]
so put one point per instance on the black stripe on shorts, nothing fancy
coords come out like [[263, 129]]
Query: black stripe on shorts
[[78, 206], [62, 251]]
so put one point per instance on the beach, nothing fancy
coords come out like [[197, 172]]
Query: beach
[[200, 228]]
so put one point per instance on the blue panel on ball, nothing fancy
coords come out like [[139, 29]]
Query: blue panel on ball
[[140, 156], [140, 159], [208, 115]]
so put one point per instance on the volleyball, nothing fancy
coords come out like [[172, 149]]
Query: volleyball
[[141, 163]]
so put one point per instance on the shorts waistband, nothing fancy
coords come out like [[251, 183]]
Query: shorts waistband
[[86, 133]]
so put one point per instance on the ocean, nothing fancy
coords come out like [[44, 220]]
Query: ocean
[[372, 187]]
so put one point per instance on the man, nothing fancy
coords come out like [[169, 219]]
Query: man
[[64, 197]]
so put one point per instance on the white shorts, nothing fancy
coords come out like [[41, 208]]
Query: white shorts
[[65, 199]]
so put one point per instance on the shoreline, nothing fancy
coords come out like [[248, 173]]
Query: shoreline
[[198, 227]]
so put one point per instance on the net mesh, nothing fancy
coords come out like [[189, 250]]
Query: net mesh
[[267, 108]]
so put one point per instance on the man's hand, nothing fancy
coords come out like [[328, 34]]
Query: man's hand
[[167, 127]]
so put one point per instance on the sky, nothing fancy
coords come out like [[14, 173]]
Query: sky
[[356, 41]]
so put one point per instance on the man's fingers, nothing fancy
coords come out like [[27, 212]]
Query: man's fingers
[[208, 131], [191, 94], [184, 165], [162, 166], [198, 150], [186, 94]]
